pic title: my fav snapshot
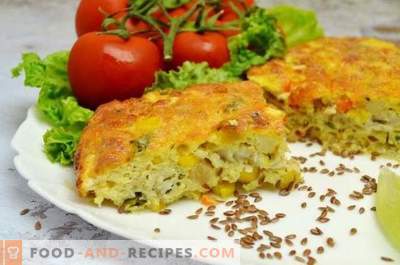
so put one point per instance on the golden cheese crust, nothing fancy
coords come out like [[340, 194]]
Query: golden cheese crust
[[349, 71], [171, 118]]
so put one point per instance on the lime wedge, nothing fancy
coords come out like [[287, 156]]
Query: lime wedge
[[388, 205]]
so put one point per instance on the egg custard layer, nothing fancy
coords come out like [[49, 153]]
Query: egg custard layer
[[342, 92], [152, 151]]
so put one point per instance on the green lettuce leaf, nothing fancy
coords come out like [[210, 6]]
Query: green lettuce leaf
[[299, 25], [56, 102], [190, 74], [60, 145], [259, 41]]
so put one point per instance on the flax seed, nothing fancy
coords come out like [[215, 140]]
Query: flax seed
[[214, 220], [192, 217], [292, 252], [320, 250], [291, 236], [311, 261], [330, 241], [387, 259], [199, 211], [351, 207], [165, 212], [280, 215], [288, 242], [277, 255], [304, 241], [24, 212], [300, 259], [316, 231], [38, 225], [307, 252], [211, 238]]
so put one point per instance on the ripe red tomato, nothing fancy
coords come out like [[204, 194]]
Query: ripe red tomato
[[208, 47], [89, 18], [102, 68]]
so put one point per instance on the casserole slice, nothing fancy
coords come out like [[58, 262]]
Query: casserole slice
[[341, 92], [152, 151]]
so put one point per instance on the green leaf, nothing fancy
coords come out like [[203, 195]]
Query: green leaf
[[189, 74], [56, 103], [258, 42], [60, 145], [299, 25]]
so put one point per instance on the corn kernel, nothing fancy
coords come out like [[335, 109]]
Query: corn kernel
[[224, 189], [188, 160], [246, 177]]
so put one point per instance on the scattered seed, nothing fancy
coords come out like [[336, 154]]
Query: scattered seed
[[38, 225], [288, 242], [291, 236], [361, 210], [330, 241], [311, 261], [280, 215], [214, 220], [304, 205], [199, 211], [278, 255], [351, 207], [316, 231], [304, 241], [307, 252], [387, 259], [157, 230], [211, 238], [300, 259], [192, 217], [165, 212], [311, 195], [292, 252], [24, 211], [353, 231], [216, 227], [373, 209], [320, 250]]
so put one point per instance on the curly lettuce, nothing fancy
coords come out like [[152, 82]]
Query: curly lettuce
[[60, 144], [259, 41], [55, 103], [298, 25], [189, 74]]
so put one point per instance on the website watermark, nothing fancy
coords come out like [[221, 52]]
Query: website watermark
[[18, 252]]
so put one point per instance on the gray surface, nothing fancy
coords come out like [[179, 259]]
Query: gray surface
[[47, 26]]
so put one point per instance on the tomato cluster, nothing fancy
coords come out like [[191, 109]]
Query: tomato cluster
[[103, 66]]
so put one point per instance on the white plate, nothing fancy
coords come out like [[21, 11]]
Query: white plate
[[56, 184]]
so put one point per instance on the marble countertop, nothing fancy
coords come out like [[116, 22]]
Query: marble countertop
[[47, 26]]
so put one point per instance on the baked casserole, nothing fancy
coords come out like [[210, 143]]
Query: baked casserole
[[152, 151], [342, 92]]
